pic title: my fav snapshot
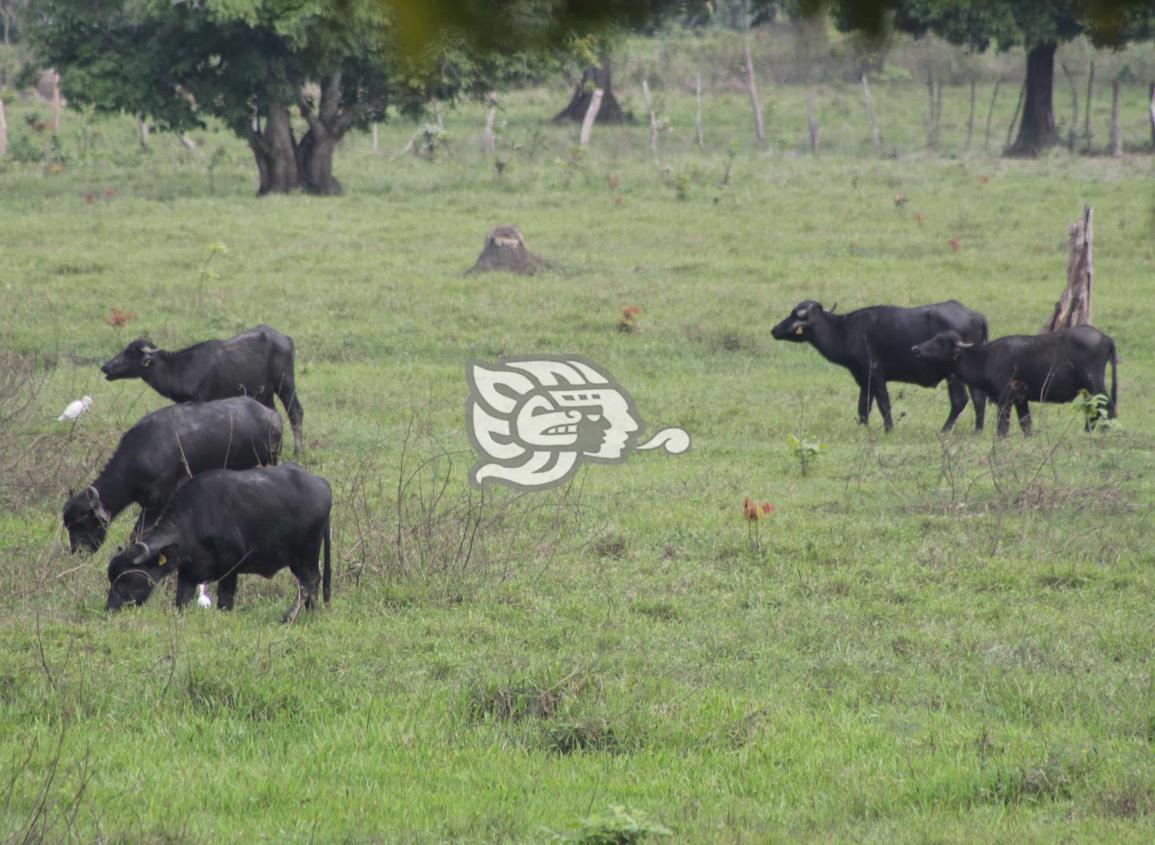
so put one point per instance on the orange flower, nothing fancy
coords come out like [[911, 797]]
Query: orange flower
[[117, 318], [750, 510], [754, 511]]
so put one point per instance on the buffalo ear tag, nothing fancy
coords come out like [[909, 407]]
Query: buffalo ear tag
[[799, 330], [162, 560]]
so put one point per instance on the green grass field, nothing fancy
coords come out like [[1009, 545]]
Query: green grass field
[[939, 640]]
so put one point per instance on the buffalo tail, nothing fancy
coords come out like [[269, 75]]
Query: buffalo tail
[[327, 572]]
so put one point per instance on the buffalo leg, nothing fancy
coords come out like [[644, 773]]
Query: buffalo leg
[[291, 613], [1023, 409], [979, 398], [865, 401], [1004, 419], [883, 397], [287, 390], [309, 575], [227, 591], [185, 590], [957, 392]]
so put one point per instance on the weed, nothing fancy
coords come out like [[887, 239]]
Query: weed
[[805, 451], [619, 826], [1094, 411]]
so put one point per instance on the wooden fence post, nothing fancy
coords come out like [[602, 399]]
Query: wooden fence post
[[1087, 110], [1072, 133], [970, 119], [591, 116], [1151, 111], [698, 109], [653, 117], [990, 114], [1116, 135], [812, 124], [57, 102], [752, 86], [489, 139], [874, 136], [1015, 117]]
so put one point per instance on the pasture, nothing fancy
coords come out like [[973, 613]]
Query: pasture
[[933, 640]]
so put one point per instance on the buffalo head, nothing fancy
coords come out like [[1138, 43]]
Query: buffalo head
[[943, 348], [86, 520], [797, 325], [135, 571], [132, 362]]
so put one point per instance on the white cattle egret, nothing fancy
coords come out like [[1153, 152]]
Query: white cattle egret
[[202, 597], [75, 409]]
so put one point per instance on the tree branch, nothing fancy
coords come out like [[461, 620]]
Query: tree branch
[[306, 108], [331, 98]]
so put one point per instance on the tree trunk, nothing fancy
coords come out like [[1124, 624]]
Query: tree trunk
[[594, 78], [275, 150], [1037, 131], [315, 162], [1074, 306]]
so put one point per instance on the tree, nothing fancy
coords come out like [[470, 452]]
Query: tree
[[254, 65], [1039, 26]]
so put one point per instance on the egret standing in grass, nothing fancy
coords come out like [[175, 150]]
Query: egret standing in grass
[[75, 409]]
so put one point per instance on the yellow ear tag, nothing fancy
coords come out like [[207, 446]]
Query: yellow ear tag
[[799, 330], [161, 561]]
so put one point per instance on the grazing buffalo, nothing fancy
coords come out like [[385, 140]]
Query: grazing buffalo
[[164, 449], [224, 523], [256, 363], [1020, 369], [874, 344]]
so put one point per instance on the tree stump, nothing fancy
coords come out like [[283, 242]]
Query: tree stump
[[1074, 306], [505, 252]]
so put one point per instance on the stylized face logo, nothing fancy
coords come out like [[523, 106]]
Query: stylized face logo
[[532, 421]]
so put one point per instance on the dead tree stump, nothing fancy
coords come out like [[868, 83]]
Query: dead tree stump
[[1074, 306], [505, 252]]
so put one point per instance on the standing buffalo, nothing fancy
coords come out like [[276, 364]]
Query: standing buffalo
[[1020, 369], [256, 363], [224, 523], [164, 449], [874, 344]]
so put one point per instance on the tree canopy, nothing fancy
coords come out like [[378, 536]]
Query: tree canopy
[[1039, 26], [252, 63]]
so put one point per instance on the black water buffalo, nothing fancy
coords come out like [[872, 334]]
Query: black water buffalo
[[224, 523], [1020, 369], [164, 449], [256, 363], [874, 344]]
